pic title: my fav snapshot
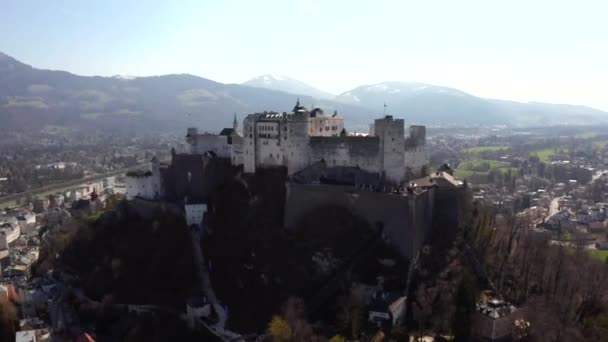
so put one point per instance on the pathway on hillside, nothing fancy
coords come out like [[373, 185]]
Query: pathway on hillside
[[205, 280], [554, 207]]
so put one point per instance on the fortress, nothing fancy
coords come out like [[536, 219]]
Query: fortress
[[300, 141], [302, 138], [372, 175]]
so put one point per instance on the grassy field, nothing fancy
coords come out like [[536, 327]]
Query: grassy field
[[600, 144], [475, 164], [545, 154], [476, 169], [599, 254], [480, 149], [587, 135], [467, 174]]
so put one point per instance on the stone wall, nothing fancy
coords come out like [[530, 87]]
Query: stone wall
[[406, 220], [140, 186], [194, 177], [297, 143], [236, 153], [346, 151], [148, 209], [417, 136], [249, 143], [202, 143], [415, 158]]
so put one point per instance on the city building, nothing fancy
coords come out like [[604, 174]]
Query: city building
[[9, 232], [27, 221]]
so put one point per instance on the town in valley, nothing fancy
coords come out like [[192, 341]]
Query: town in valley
[[427, 171]]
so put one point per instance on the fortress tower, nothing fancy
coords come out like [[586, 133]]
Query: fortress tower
[[390, 132]]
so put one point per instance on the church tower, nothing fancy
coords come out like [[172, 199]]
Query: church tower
[[235, 123]]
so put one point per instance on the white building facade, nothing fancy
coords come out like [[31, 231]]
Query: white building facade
[[145, 184], [300, 138], [295, 141]]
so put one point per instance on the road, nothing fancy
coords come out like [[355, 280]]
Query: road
[[554, 206], [10, 200]]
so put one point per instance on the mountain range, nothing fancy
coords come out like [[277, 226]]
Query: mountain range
[[31, 99], [288, 85]]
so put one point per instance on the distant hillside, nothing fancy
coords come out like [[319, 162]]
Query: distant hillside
[[288, 85], [32, 98], [425, 103]]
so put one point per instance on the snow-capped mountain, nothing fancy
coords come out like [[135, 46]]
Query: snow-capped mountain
[[287, 85], [32, 98], [376, 94], [124, 77], [420, 102]]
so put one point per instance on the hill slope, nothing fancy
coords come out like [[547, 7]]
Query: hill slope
[[32, 98]]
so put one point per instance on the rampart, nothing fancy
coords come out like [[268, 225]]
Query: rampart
[[405, 218]]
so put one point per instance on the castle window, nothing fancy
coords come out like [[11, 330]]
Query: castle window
[[327, 128], [320, 129]]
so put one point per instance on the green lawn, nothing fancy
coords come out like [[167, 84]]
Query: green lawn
[[480, 149], [545, 154], [466, 174], [475, 169], [475, 164], [599, 254], [587, 135], [600, 144]]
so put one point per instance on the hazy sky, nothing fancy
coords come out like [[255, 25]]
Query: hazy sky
[[553, 51]]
